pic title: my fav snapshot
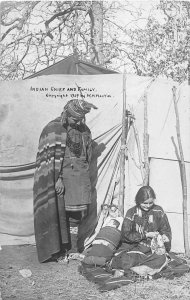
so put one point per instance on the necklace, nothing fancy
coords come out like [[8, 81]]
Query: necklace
[[75, 147]]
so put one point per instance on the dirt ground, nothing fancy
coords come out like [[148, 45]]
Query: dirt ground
[[55, 281]]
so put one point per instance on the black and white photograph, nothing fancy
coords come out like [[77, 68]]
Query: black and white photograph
[[95, 150]]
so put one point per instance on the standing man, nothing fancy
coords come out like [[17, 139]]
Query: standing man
[[61, 180]]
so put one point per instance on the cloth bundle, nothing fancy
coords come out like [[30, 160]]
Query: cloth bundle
[[105, 244], [157, 245]]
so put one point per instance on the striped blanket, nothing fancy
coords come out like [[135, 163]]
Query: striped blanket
[[142, 267], [49, 210]]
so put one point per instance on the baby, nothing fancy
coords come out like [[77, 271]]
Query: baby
[[105, 243], [157, 244]]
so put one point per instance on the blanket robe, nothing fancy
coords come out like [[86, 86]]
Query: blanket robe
[[50, 223], [154, 264]]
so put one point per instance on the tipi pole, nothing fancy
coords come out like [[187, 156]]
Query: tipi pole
[[146, 142], [122, 158], [183, 177], [139, 150]]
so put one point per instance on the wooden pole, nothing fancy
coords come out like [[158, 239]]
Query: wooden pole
[[183, 177], [139, 150], [146, 142], [122, 159]]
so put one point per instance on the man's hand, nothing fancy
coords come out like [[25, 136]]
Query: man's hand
[[59, 186], [152, 234]]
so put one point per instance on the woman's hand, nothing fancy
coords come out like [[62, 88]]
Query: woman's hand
[[59, 186], [165, 238], [152, 234]]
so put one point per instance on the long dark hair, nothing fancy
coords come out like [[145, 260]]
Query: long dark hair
[[144, 193]]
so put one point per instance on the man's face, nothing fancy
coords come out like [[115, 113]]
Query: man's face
[[72, 120]]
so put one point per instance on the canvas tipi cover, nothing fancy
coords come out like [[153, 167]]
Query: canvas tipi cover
[[26, 106], [16, 175], [72, 65]]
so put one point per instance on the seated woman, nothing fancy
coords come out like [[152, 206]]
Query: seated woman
[[146, 241], [142, 226]]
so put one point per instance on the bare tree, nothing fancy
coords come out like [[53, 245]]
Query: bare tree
[[96, 16], [161, 48], [36, 34]]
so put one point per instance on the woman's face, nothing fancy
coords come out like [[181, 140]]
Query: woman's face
[[147, 204]]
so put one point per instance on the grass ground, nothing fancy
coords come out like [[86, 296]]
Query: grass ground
[[56, 281]]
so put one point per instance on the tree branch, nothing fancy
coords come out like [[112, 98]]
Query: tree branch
[[60, 14], [20, 61]]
